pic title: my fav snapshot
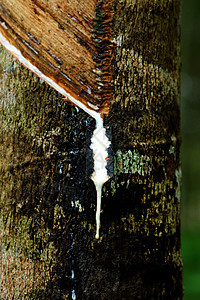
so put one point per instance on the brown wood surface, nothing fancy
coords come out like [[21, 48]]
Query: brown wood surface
[[68, 41]]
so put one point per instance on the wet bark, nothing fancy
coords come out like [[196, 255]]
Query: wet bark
[[48, 246]]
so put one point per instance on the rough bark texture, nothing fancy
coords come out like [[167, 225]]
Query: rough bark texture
[[48, 249]]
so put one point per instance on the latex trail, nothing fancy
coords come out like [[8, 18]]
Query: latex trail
[[99, 145], [99, 141]]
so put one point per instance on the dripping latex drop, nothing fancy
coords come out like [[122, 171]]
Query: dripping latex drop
[[99, 144]]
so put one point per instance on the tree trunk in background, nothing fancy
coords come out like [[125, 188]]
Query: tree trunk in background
[[48, 246]]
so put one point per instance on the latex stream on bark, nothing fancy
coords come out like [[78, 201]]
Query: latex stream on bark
[[99, 145]]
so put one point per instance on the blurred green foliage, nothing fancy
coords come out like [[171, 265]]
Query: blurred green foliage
[[190, 126], [190, 109], [191, 259]]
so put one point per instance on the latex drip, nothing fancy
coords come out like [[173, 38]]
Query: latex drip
[[99, 145]]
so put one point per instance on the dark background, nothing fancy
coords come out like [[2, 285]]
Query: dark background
[[190, 126]]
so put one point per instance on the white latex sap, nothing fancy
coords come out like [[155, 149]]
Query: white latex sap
[[99, 145]]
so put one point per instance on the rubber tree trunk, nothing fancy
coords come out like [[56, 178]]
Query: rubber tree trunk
[[48, 246]]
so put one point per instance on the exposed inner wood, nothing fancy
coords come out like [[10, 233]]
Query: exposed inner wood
[[68, 41]]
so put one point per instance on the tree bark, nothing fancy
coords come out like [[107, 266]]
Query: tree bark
[[48, 246]]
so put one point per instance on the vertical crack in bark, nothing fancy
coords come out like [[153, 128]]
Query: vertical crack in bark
[[104, 53]]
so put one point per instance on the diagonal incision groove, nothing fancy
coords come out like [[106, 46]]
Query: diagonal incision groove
[[69, 43]]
